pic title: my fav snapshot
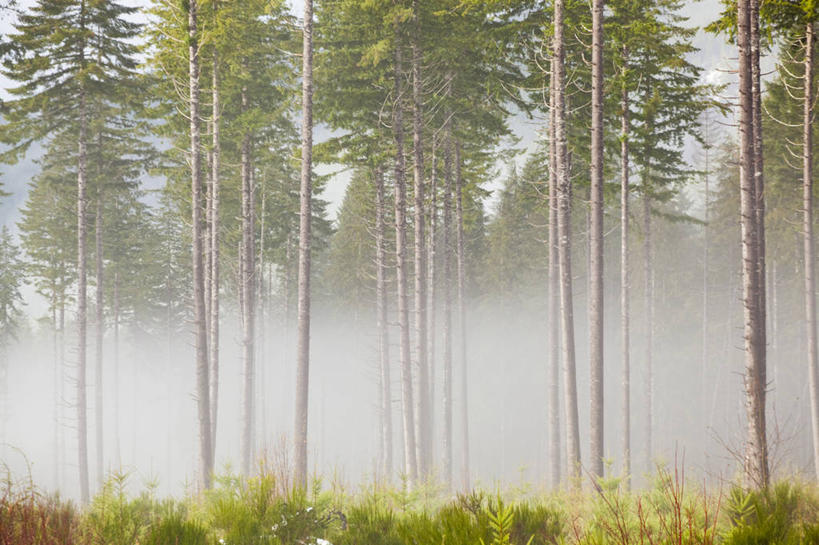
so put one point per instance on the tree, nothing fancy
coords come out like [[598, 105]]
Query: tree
[[11, 278], [756, 470], [564, 248], [199, 315], [303, 350], [596, 250], [65, 55]]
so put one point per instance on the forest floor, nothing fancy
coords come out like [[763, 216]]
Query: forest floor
[[265, 510]]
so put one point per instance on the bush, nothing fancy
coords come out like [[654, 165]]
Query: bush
[[28, 517]]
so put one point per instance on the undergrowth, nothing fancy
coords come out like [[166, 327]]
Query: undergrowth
[[265, 510]]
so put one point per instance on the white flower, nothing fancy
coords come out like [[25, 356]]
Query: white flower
[[309, 509], [320, 541]]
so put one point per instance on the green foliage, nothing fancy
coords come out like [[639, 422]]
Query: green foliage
[[113, 518], [260, 510], [775, 515], [257, 510], [175, 529], [11, 278]]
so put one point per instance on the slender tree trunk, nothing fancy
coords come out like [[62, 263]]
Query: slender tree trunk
[[305, 213], [213, 316], [248, 302], [705, 272], [461, 259], [117, 454], [625, 279], [596, 251], [759, 180], [100, 332], [447, 318], [423, 417], [82, 302], [57, 380], [200, 320], [648, 311], [383, 325], [61, 447], [410, 439], [564, 251], [554, 301], [809, 252], [432, 273], [261, 387], [756, 463]]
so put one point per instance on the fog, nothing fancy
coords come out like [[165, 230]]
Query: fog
[[150, 425]]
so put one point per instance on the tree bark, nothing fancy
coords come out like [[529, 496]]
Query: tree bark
[[383, 325], [564, 251], [759, 180], [432, 275], [554, 302], [410, 453], [117, 452], [423, 417], [57, 381], [648, 311], [625, 279], [303, 350], [82, 303], [200, 320], [756, 457], [596, 368], [100, 332], [705, 274], [213, 290], [248, 302], [459, 213], [809, 251], [447, 318]]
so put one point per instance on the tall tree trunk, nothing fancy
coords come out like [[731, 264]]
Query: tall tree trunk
[[55, 348], [648, 312], [423, 417], [117, 453], [705, 273], [759, 180], [625, 280], [564, 251], [303, 350], [61, 447], [100, 332], [248, 302], [261, 357], [554, 302], [82, 303], [596, 369], [213, 290], [383, 325], [200, 320], [432, 274], [756, 461], [459, 220], [807, 227], [410, 457], [447, 318]]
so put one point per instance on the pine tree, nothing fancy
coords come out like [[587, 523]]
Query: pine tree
[[65, 55], [11, 317]]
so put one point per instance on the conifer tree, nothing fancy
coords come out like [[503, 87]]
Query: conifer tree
[[64, 56]]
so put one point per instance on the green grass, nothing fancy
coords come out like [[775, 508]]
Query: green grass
[[263, 510]]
